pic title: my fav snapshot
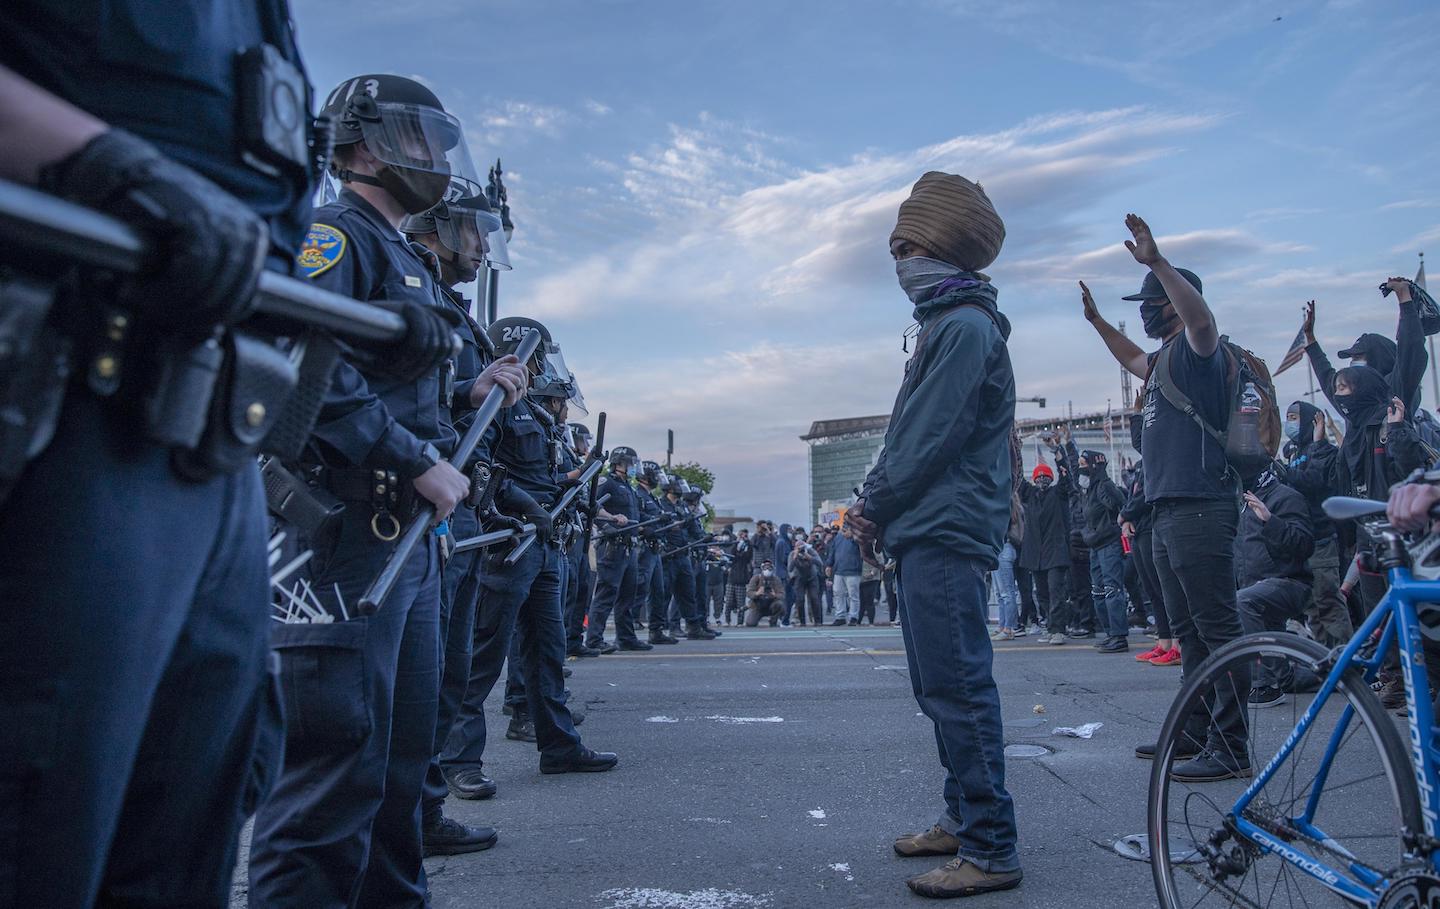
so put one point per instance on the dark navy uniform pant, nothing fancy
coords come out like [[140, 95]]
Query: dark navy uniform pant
[[579, 594], [521, 599], [459, 591], [133, 621], [680, 581], [614, 591], [647, 566], [342, 827]]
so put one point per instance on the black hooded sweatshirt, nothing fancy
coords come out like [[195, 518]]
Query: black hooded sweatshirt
[[1375, 454], [1102, 504], [1401, 362]]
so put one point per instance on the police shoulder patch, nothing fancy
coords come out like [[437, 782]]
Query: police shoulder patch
[[323, 247]]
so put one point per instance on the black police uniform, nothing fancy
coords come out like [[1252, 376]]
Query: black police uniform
[[615, 567], [460, 580], [361, 695], [649, 579], [522, 598], [134, 620], [680, 570], [580, 582]]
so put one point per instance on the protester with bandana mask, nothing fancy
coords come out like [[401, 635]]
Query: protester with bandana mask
[[939, 495]]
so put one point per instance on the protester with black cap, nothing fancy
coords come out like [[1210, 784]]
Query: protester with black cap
[[1192, 487]]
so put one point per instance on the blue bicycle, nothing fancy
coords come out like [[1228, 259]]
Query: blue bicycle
[[1341, 801]]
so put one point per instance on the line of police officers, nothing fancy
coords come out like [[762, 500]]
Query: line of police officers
[[142, 725]]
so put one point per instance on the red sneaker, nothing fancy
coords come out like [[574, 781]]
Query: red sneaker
[[1170, 657], [1150, 654]]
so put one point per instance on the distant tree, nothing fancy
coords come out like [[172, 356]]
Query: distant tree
[[700, 477]]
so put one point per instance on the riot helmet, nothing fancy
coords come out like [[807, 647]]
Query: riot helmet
[[463, 228], [403, 124], [650, 473], [625, 458], [581, 434], [549, 376]]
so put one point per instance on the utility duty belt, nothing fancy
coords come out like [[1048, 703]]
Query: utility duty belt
[[391, 500], [215, 401]]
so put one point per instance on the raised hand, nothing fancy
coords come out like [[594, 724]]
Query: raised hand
[[1092, 312], [1307, 322], [1143, 247]]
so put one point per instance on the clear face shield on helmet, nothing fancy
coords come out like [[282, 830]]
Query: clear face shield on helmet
[[427, 143], [464, 231], [556, 378]]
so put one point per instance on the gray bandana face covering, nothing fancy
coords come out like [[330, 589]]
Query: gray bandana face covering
[[920, 275]]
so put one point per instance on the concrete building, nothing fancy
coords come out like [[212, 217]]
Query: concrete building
[[841, 454], [843, 451]]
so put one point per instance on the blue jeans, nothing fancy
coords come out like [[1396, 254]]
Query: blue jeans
[[521, 599], [1107, 588], [133, 624], [1007, 591], [943, 611]]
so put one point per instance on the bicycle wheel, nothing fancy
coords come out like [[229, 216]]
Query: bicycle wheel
[[1358, 806]]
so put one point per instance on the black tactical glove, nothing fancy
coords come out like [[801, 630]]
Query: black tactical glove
[[426, 345], [517, 501], [207, 248]]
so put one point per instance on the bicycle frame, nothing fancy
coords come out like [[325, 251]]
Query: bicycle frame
[[1396, 614]]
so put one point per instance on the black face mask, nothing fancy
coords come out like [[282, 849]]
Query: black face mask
[[1344, 403], [416, 190], [1158, 324]]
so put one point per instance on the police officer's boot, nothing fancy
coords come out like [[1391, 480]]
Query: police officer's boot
[[520, 730], [696, 631], [658, 636], [450, 837]]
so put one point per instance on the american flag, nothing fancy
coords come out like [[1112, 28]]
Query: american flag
[[1294, 355]]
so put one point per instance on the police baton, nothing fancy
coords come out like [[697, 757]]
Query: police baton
[[586, 476], [37, 222], [420, 524], [497, 536]]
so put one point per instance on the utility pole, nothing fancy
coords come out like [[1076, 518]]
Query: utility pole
[[1126, 395], [496, 195], [669, 446]]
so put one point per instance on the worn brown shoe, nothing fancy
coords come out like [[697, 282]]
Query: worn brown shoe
[[934, 841], [958, 877]]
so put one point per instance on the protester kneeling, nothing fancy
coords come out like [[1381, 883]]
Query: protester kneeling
[[764, 596]]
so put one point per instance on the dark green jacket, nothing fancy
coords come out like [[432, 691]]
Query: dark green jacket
[[944, 473]]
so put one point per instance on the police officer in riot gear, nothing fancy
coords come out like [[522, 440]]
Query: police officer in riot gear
[[616, 558], [579, 589], [457, 235], [522, 597], [693, 498], [650, 586], [149, 652], [343, 822], [680, 567]]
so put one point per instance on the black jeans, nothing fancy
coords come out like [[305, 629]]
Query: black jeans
[[1052, 589], [869, 593], [1265, 606], [1194, 545], [1143, 550], [1082, 601], [808, 592], [1029, 614]]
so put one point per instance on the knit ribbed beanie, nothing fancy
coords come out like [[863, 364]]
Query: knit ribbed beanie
[[953, 218]]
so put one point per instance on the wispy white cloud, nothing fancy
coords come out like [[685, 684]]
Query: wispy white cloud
[[597, 108]]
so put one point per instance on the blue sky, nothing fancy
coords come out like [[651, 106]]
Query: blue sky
[[703, 191]]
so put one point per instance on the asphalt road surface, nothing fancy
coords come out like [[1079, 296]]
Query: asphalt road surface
[[773, 768]]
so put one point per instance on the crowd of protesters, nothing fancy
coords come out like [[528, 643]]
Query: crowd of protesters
[[785, 575]]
